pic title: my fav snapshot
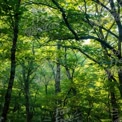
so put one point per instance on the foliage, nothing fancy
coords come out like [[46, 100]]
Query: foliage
[[73, 44]]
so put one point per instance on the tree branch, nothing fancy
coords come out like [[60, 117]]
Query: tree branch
[[108, 30], [65, 19], [100, 3], [79, 49]]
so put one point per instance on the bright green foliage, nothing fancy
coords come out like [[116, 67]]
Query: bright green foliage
[[88, 36]]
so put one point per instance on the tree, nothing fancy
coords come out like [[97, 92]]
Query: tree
[[15, 24], [67, 56], [88, 18]]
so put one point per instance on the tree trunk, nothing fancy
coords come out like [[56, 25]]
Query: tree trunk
[[13, 65], [27, 104], [119, 54], [58, 71], [120, 81], [115, 112], [26, 78], [120, 59], [57, 82]]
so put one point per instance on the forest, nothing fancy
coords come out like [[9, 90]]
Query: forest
[[60, 60]]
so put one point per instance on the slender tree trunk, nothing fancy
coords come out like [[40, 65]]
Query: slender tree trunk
[[57, 83], [115, 112], [69, 72], [120, 81], [58, 71], [26, 79], [13, 66], [119, 54], [27, 104], [120, 58]]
